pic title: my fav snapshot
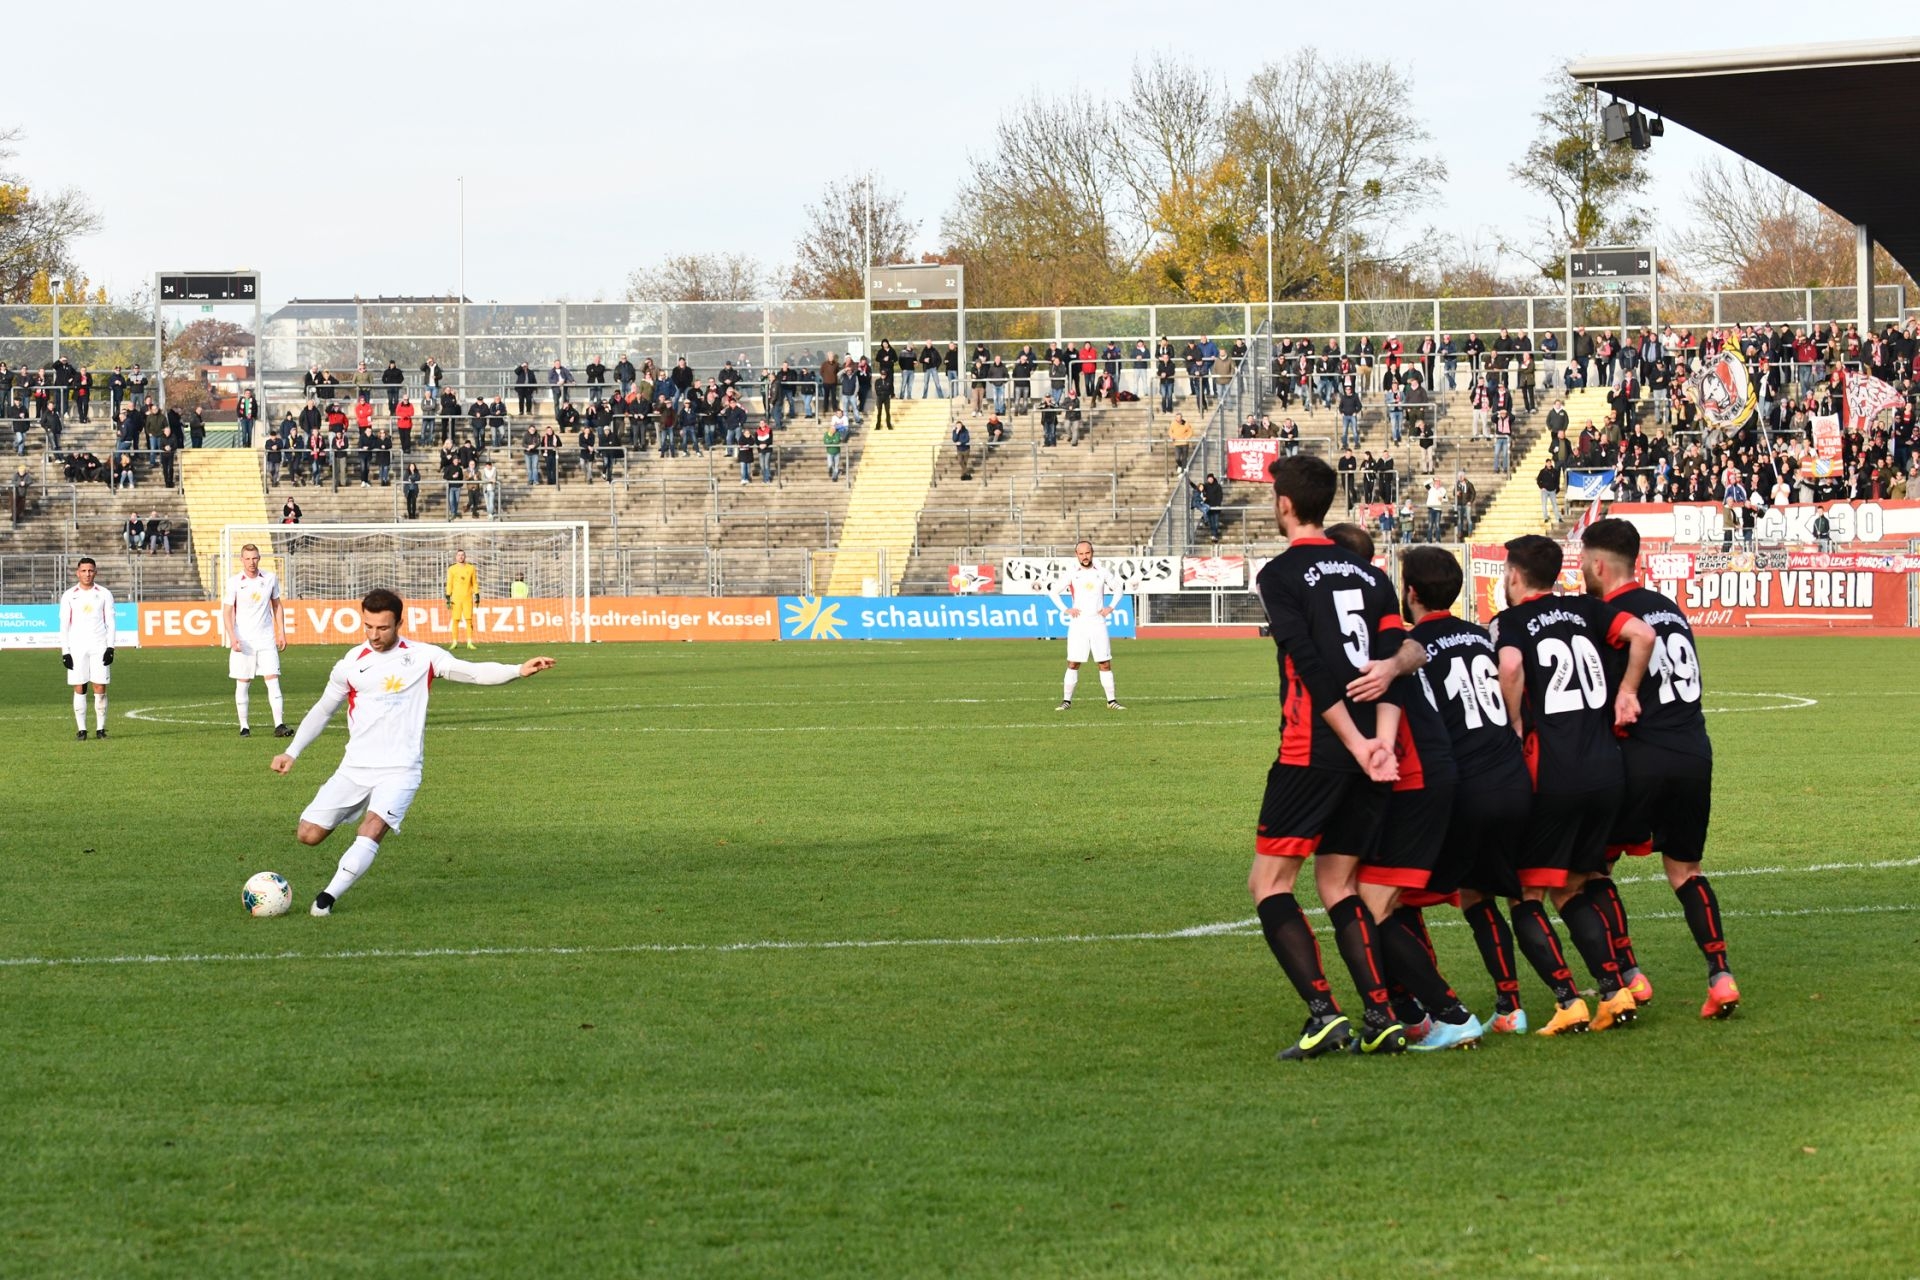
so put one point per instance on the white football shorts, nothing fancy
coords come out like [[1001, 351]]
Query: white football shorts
[[89, 667], [252, 659], [352, 792], [1089, 640]]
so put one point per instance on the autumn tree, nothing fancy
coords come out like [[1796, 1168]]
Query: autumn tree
[[37, 229], [206, 340], [1210, 247], [1752, 230], [1591, 186], [855, 221], [1350, 162], [699, 277], [1038, 221]]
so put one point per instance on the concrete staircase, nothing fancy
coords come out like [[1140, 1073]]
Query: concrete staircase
[[1515, 509], [222, 487], [890, 486]]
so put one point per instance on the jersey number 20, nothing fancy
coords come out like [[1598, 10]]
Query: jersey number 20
[[1574, 656]]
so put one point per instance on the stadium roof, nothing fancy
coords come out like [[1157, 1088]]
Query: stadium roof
[[1787, 110]]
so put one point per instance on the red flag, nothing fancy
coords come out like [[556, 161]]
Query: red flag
[[1866, 398], [1587, 517]]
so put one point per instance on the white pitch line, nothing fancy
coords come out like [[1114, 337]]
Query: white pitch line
[[1221, 929], [146, 715]]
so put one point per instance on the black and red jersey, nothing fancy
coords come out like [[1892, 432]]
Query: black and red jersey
[[1330, 613], [1423, 746], [1464, 671], [1568, 715], [1670, 714]]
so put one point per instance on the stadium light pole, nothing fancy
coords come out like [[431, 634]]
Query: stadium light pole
[[1269, 248], [866, 272], [1346, 266], [462, 180]]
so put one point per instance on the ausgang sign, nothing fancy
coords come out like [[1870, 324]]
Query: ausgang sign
[[1610, 264], [931, 280]]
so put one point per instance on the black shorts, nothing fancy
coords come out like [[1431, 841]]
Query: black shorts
[[1484, 836], [1666, 805], [1411, 838], [1566, 835], [1306, 810]]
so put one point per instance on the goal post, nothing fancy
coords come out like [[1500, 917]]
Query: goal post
[[534, 580]]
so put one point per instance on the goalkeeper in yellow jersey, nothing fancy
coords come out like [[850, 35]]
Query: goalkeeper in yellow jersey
[[463, 592]]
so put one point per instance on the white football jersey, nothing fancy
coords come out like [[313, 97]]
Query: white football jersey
[[386, 699], [254, 602], [86, 619], [1087, 589]]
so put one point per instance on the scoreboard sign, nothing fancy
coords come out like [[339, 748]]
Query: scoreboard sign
[[210, 287]]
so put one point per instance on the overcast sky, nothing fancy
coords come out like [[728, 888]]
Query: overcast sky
[[321, 147]]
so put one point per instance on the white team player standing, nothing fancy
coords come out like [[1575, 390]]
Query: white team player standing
[[256, 635], [384, 684], [86, 645], [1086, 610]]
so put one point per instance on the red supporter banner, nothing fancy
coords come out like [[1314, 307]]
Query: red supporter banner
[[1699, 524], [1211, 573], [1826, 446], [973, 579], [1249, 459], [178, 624]]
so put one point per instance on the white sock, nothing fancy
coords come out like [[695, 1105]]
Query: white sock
[[1073, 678], [278, 703], [240, 701], [1106, 682], [80, 711], [353, 864], [99, 710]]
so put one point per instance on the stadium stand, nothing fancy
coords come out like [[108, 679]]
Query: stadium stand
[[1110, 475]]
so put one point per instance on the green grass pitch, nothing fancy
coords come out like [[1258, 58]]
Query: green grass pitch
[[854, 959]]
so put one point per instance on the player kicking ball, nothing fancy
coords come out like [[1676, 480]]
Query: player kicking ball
[[86, 646], [384, 684], [1086, 610], [256, 637]]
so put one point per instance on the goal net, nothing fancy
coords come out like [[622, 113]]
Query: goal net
[[532, 575]]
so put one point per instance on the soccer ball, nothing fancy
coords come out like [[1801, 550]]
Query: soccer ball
[[267, 894]]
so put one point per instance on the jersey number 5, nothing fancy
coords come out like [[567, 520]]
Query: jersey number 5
[[1351, 606], [1568, 658]]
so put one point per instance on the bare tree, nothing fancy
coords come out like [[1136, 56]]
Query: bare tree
[[1590, 184], [1751, 230], [1349, 156], [830, 257], [699, 277], [1038, 220], [1167, 131], [36, 230]]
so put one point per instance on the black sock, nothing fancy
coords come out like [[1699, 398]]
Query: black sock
[[1360, 948], [1534, 933], [1703, 917], [1589, 934], [1291, 939], [1495, 939], [1409, 961], [1606, 900]]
